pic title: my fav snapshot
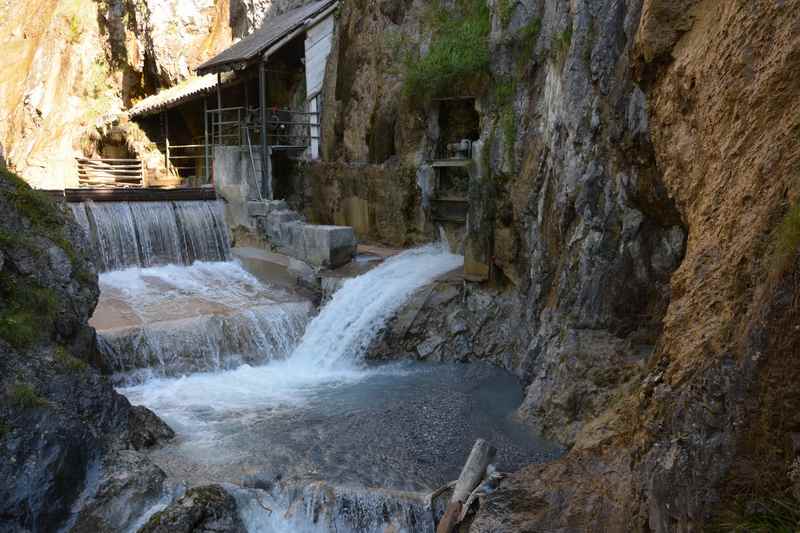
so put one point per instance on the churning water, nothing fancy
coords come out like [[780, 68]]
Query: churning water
[[145, 234], [320, 431], [177, 320]]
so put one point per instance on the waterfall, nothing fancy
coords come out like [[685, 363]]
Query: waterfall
[[176, 320], [320, 508], [146, 234], [344, 330], [330, 350]]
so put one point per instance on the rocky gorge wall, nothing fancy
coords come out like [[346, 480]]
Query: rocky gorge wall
[[641, 156], [79, 62], [67, 438]]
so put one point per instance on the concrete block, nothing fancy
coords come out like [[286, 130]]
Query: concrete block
[[276, 205], [329, 246]]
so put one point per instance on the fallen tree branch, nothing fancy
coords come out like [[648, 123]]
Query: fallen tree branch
[[471, 476], [441, 490]]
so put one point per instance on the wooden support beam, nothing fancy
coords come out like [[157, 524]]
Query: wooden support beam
[[266, 171]]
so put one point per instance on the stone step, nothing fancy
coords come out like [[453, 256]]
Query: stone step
[[264, 208]]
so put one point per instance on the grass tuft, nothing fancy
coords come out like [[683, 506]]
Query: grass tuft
[[458, 58], [562, 42], [527, 38], [505, 10], [29, 311], [774, 515]]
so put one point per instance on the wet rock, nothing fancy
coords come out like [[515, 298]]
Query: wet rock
[[306, 275], [208, 509], [428, 346], [60, 418], [129, 485], [146, 429]]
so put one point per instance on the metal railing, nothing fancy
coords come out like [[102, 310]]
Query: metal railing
[[110, 173], [286, 128], [187, 161], [457, 151]]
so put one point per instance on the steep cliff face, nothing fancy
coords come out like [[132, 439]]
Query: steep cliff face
[[78, 61], [53, 80], [639, 157], [569, 214]]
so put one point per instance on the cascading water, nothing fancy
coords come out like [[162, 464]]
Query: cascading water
[[338, 337], [146, 234], [331, 429], [176, 320]]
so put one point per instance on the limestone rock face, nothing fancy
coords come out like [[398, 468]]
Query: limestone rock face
[[85, 59], [247, 15]]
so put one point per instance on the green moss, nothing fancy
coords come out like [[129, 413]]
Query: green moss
[[5, 429], [527, 38], [32, 204], [457, 61], [28, 313], [45, 216], [786, 241], [504, 93], [505, 10], [69, 362], [25, 396]]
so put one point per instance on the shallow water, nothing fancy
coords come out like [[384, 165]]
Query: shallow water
[[403, 426]]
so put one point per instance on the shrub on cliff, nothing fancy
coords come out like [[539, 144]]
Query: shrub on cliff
[[457, 61]]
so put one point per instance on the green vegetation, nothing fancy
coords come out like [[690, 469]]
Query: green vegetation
[[5, 429], [786, 240], [75, 29], [527, 38], [29, 311], [504, 94], [776, 515], [34, 205], [562, 42], [45, 217], [458, 59], [25, 396], [69, 362], [505, 10]]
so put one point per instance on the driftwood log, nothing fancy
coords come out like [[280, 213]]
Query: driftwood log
[[471, 476]]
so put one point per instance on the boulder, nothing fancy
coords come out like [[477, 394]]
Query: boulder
[[204, 509], [129, 485], [146, 429]]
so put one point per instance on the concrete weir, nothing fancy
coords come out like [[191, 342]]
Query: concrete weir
[[208, 316]]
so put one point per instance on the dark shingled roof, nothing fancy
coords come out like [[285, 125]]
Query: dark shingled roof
[[271, 31]]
